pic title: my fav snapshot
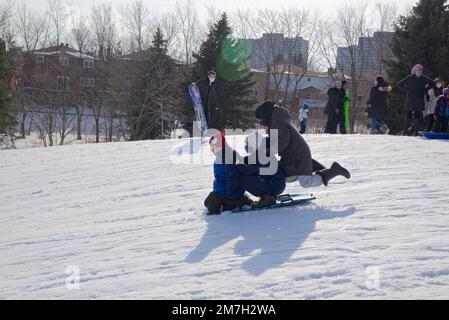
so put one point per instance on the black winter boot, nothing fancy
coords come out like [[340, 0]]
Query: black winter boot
[[341, 170], [335, 170], [265, 201], [317, 166]]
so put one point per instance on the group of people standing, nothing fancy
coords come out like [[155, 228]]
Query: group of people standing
[[426, 102], [437, 108], [337, 108]]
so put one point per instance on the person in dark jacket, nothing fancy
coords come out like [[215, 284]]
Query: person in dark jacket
[[343, 108], [227, 192], [331, 109], [207, 88], [296, 159], [442, 112], [416, 85], [377, 105], [266, 185]]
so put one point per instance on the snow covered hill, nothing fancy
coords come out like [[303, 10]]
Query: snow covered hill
[[130, 216]]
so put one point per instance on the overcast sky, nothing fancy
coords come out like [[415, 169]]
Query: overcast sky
[[228, 5]]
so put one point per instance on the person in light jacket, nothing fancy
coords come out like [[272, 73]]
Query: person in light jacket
[[303, 117]]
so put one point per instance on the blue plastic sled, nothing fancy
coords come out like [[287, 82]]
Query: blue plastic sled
[[435, 135]]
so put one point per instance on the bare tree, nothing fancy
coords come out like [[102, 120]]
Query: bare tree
[[280, 56], [81, 38], [170, 28], [386, 14], [64, 123], [46, 123], [135, 18], [327, 45], [32, 27], [81, 35], [57, 14], [213, 14], [7, 28], [103, 27], [6, 8], [189, 28]]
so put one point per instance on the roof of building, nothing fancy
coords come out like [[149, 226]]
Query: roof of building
[[63, 49]]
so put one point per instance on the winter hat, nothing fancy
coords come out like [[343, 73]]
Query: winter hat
[[416, 66], [264, 112], [306, 106], [381, 81], [439, 80], [218, 138], [343, 83], [446, 91]]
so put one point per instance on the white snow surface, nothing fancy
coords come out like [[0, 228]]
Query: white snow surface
[[130, 216]]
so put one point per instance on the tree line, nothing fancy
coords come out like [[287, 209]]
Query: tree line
[[155, 104]]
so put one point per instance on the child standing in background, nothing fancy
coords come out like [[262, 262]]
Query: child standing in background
[[303, 117]]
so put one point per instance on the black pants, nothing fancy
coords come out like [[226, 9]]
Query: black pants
[[441, 124], [430, 122], [258, 188], [303, 126], [416, 123], [331, 124], [341, 122]]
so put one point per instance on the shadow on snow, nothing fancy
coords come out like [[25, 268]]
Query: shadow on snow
[[277, 234]]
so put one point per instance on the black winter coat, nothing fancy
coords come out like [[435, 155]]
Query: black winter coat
[[208, 96], [332, 102], [296, 158], [416, 89], [379, 103]]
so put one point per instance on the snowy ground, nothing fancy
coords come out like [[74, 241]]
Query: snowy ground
[[133, 222]]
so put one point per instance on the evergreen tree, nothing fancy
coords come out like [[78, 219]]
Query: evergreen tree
[[228, 57], [159, 43], [420, 37], [155, 95], [7, 116]]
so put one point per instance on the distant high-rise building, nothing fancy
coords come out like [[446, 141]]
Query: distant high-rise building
[[344, 60], [369, 54], [274, 48]]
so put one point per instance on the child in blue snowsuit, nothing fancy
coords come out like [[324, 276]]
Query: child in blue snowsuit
[[442, 112], [227, 193], [266, 185]]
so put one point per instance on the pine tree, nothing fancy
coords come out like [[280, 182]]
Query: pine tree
[[159, 43], [7, 116], [420, 37], [228, 57], [155, 93]]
